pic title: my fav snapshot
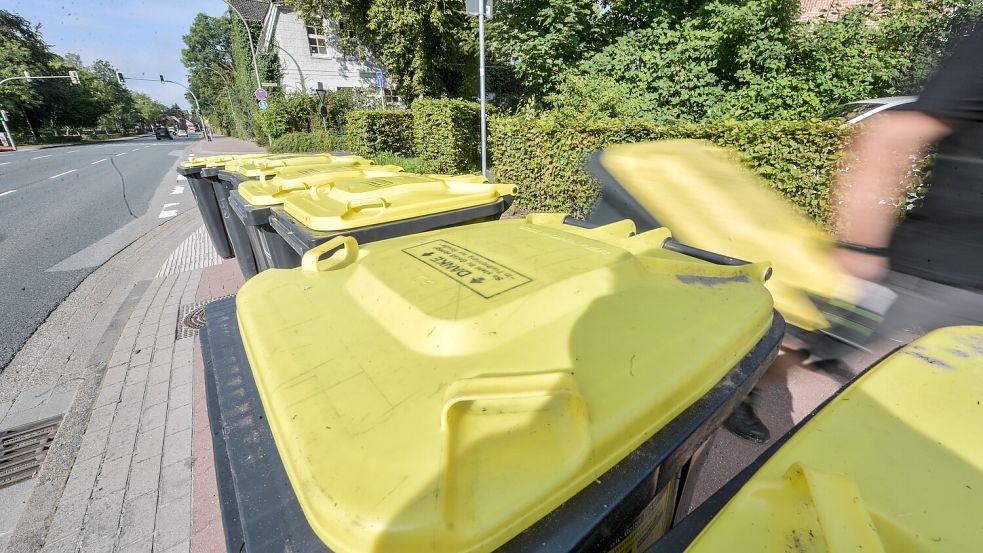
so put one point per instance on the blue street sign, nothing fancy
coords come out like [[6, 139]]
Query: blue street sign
[[261, 94], [263, 104], [379, 82]]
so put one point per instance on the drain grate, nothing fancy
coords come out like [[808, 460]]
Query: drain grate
[[191, 318], [24, 448]]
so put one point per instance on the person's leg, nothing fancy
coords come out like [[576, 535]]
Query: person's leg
[[745, 423]]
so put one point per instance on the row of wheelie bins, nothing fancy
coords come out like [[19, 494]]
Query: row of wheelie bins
[[403, 370]]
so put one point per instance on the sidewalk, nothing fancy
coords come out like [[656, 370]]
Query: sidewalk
[[115, 366]]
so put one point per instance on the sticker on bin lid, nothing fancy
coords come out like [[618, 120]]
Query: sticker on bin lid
[[473, 271], [386, 182]]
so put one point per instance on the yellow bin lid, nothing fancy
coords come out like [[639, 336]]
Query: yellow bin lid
[[894, 463], [271, 165], [233, 160], [353, 203], [205, 160], [709, 201], [293, 179], [446, 390]]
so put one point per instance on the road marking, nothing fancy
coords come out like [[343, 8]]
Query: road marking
[[181, 178], [177, 153], [178, 189], [121, 154], [62, 174], [41, 157], [137, 149], [5, 163], [72, 152], [100, 161], [7, 192], [166, 213]]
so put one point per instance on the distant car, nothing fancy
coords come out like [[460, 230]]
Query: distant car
[[162, 133], [182, 132], [855, 112]]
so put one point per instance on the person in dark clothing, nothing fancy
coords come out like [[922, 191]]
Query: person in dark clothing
[[933, 260]]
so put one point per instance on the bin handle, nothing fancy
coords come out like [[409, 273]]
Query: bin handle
[[358, 205], [517, 388], [843, 515], [311, 261]]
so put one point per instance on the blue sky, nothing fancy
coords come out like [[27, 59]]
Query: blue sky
[[142, 38]]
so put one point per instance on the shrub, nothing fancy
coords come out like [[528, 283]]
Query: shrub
[[303, 142], [409, 164], [380, 130], [446, 135], [545, 156], [291, 112]]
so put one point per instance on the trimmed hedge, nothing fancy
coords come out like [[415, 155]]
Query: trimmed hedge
[[304, 142], [446, 135], [545, 156], [380, 130]]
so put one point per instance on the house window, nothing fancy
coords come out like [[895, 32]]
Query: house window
[[345, 31], [315, 39]]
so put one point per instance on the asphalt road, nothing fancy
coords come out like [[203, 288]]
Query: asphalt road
[[64, 211]]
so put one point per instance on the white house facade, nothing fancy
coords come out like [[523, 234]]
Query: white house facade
[[310, 57]]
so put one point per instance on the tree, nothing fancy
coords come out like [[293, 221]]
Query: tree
[[151, 111], [117, 98], [22, 48]]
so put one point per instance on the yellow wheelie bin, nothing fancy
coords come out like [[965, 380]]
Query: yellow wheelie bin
[[377, 208], [253, 200], [894, 462], [228, 177], [513, 385]]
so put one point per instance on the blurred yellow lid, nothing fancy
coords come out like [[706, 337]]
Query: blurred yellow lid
[[709, 201], [441, 392]]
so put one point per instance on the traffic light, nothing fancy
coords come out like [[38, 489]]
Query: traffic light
[[120, 78], [161, 79], [74, 75]]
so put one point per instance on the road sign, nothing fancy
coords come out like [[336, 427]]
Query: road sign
[[473, 7], [379, 81], [270, 85], [324, 111], [263, 104], [261, 94], [320, 94]]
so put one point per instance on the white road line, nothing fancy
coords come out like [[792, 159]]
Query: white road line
[[72, 152], [7, 192], [40, 157], [177, 189], [5, 163], [100, 161], [135, 150], [121, 154], [62, 174]]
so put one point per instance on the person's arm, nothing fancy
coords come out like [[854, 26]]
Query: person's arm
[[868, 190]]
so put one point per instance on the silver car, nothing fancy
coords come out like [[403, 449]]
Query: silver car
[[855, 112]]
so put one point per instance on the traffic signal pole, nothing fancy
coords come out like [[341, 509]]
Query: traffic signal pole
[[73, 75]]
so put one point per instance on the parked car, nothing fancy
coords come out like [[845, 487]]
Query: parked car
[[855, 112], [162, 133], [182, 132]]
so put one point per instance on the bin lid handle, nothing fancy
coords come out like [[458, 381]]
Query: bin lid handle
[[311, 262], [362, 204], [842, 513]]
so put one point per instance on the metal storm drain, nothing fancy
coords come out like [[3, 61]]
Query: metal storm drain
[[24, 448], [191, 318]]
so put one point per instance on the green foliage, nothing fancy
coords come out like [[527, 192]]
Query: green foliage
[[446, 135], [307, 142], [409, 164], [545, 156], [289, 113], [426, 47], [243, 77], [372, 131]]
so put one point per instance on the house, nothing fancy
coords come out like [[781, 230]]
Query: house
[[310, 56], [813, 10]]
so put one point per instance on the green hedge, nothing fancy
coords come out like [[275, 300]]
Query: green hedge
[[446, 135], [373, 131], [545, 156], [303, 142]]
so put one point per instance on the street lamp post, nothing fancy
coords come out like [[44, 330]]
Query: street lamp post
[[228, 87], [482, 9]]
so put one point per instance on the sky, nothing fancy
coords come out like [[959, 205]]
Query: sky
[[141, 38]]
